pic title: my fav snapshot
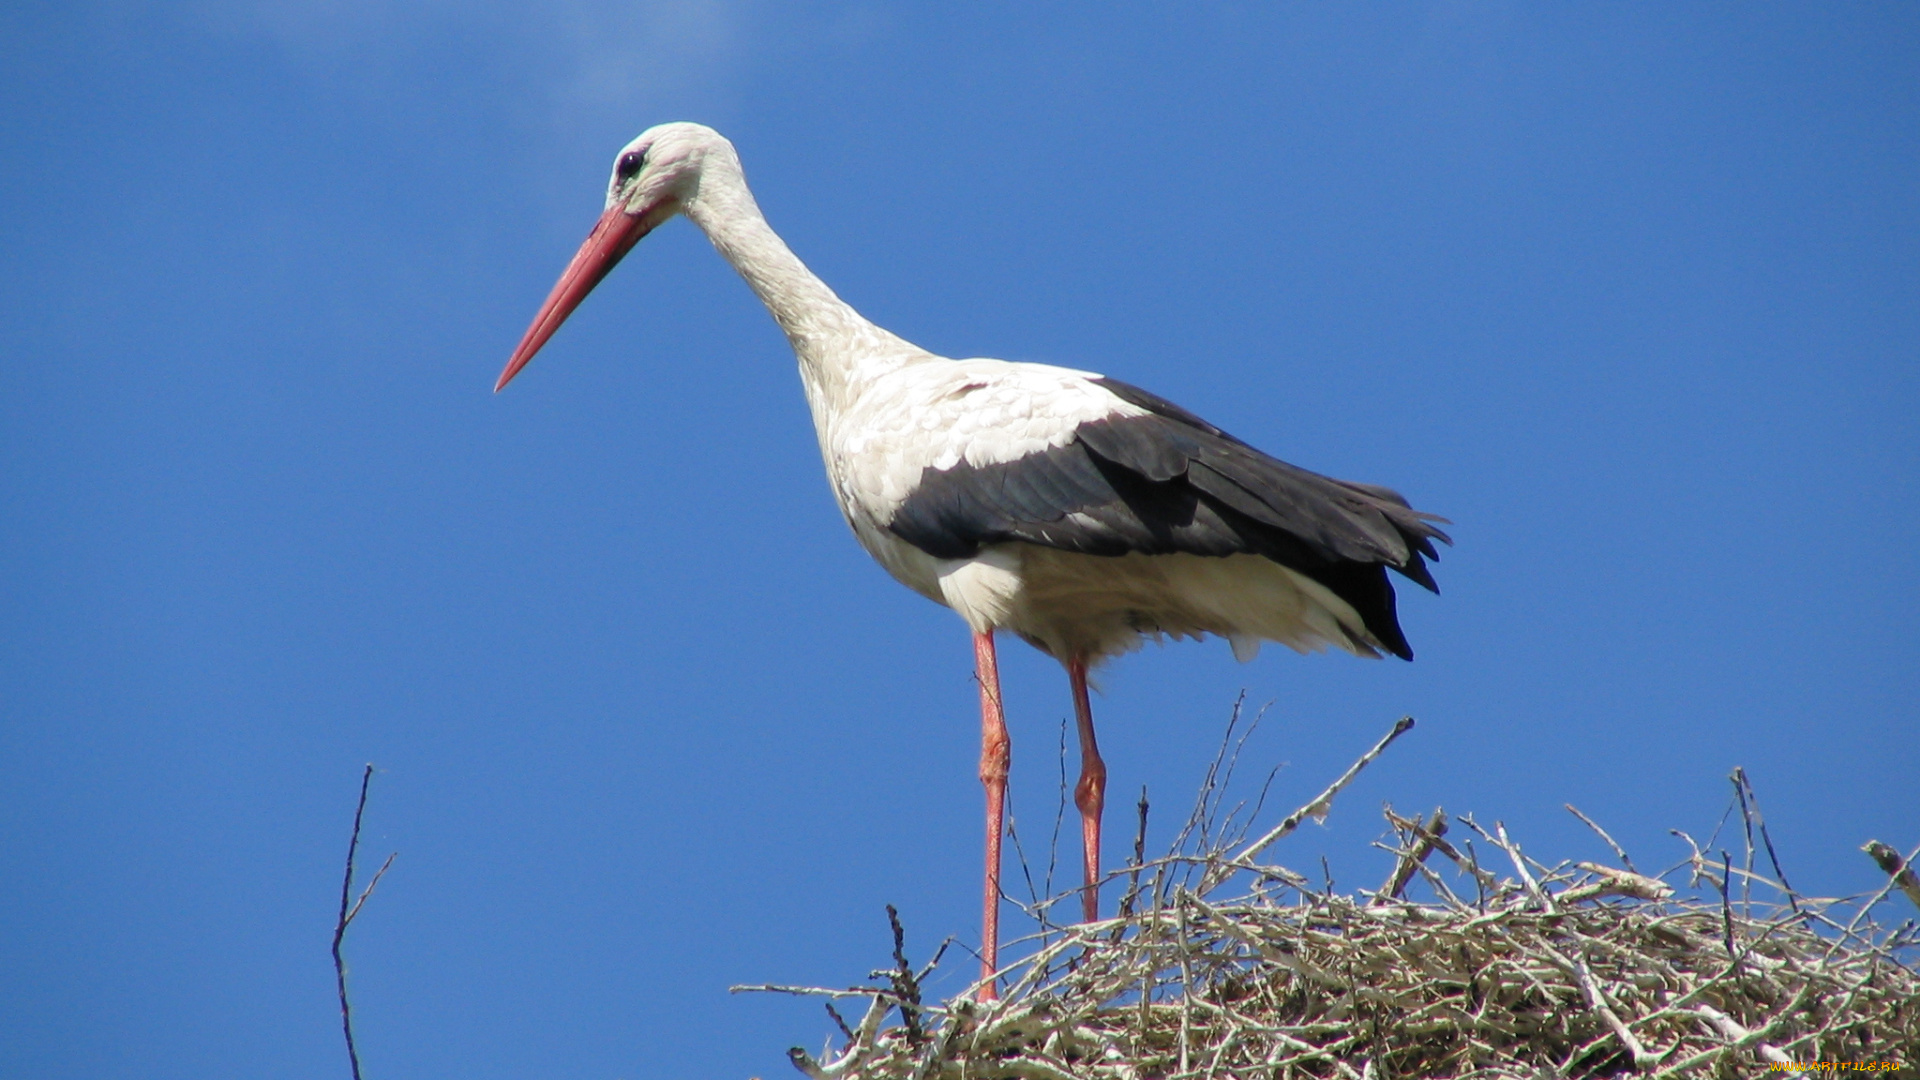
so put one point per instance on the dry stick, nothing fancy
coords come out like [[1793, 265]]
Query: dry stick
[[1614, 882], [904, 982], [1440, 889], [1726, 900], [1203, 806], [1499, 839], [1226, 779], [1038, 908], [1186, 977], [1258, 805], [1899, 870], [1746, 823], [863, 1041], [813, 991], [1323, 802], [804, 1062], [1853, 924], [1696, 862], [1059, 809], [1737, 1036], [349, 908], [1577, 967], [1139, 858], [1595, 826], [1766, 838], [1464, 861], [840, 1021], [1740, 1036], [1403, 869], [1722, 823]]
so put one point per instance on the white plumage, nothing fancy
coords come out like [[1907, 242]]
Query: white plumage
[[1083, 514]]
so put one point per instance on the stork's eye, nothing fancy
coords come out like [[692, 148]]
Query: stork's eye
[[630, 163]]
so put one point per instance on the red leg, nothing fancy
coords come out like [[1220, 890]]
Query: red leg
[[995, 756], [1090, 794]]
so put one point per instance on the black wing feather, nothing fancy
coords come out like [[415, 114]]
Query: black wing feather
[[1170, 482]]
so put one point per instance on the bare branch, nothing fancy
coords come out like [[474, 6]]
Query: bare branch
[[1595, 826], [1899, 870], [350, 907], [1322, 804], [1423, 846]]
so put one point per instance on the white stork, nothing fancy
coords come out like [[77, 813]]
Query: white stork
[[1081, 513]]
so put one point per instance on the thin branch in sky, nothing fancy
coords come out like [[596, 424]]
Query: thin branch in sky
[[1625, 859], [350, 907], [1750, 808]]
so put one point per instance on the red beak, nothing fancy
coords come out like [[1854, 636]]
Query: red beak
[[612, 237]]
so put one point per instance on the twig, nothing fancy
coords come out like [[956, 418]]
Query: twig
[[1899, 870], [1642, 1059], [1423, 846], [1233, 762], [1740, 1036], [1258, 805], [1766, 838], [1186, 978], [1615, 883], [839, 1021], [1139, 858], [1200, 819], [904, 982], [1026, 868], [1464, 860], [810, 991], [1323, 803], [1059, 810], [1726, 900], [1595, 826], [1697, 860], [350, 907], [1519, 864], [1746, 823]]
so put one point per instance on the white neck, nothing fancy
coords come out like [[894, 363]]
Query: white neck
[[838, 349]]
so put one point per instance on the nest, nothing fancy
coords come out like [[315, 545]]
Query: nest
[[1221, 964]]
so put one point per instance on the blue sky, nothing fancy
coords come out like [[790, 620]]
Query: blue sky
[[1628, 292]]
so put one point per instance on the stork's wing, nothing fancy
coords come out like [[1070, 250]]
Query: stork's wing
[[1156, 479]]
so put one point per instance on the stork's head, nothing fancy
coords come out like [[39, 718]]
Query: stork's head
[[661, 168], [654, 177]]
